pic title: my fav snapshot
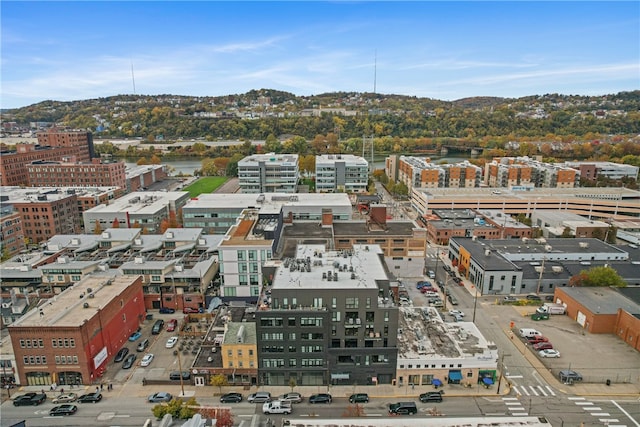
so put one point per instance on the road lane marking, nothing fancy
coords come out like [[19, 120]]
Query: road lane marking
[[591, 408], [550, 391], [576, 398], [583, 403], [626, 413]]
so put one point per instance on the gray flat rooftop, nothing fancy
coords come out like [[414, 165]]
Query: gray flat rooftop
[[602, 300], [67, 308], [268, 202], [504, 194], [360, 229], [364, 260], [146, 202]]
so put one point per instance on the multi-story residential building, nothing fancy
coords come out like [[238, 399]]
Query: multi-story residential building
[[45, 213], [239, 348], [592, 170], [268, 173], [593, 203], [142, 209], [76, 174], [431, 349], [244, 250], [341, 173], [216, 213], [54, 145], [71, 339], [11, 233], [421, 173], [524, 172], [330, 319]]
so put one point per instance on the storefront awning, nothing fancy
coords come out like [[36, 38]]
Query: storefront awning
[[455, 375]]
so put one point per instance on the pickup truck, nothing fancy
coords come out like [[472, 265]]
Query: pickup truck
[[277, 407]]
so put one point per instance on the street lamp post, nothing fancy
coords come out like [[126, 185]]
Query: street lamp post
[[181, 379], [475, 303]]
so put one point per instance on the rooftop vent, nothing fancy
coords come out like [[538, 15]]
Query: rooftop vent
[[85, 305]]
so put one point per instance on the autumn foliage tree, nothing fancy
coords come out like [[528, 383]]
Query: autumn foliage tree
[[354, 411], [218, 380], [223, 416], [116, 223]]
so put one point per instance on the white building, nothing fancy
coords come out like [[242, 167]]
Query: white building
[[341, 173], [269, 173]]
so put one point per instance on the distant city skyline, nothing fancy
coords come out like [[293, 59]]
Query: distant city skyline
[[67, 51]]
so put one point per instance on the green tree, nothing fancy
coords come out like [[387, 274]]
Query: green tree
[[566, 233], [293, 383], [598, 276], [272, 145], [219, 380], [177, 408]]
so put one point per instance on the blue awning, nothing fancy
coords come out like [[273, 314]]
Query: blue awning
[[436, 382], [487, 380], [455, 375]]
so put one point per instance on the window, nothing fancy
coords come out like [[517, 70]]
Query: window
[[292, 321], [22, 344], [41, 343]]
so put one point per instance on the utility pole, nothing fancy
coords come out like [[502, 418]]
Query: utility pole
[[540, 275]]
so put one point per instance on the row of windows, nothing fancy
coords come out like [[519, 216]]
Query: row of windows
[[280, 363], [433, 366], [239, 352], [66, 360], [240, 364], [63, 342], [34, 360], [35, 343]]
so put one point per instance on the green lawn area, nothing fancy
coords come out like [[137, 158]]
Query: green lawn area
[[206, 184]]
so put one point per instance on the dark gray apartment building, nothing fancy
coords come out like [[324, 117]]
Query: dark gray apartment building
[[328, 318]]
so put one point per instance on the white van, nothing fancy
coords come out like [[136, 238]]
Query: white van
[[277, 407], [528, 332]]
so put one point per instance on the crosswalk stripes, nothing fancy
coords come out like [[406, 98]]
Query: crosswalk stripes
[[532, 390], [514, 406], [591, 408]]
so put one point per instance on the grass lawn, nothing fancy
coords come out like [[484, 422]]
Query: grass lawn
[[206, 184]]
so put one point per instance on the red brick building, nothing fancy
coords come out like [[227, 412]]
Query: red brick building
[[76, 174], [11, 233], [71, 338], [54, 145], [45, 215]]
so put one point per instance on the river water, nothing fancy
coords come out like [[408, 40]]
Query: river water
[[189, 165]]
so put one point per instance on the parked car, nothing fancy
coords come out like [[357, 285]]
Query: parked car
[[259, 397], [171, 325], [320, 398], [157, 327], [134, 336], [63, 410], [142, 345], [549, 353], [231, 398], [146, 360], [535, 339], [120, 355], [30, 399], [542, 346], [431, 396], [160, 396], [534, 298], [456, 313], [189, 310], [292, 397], [175, 376], [453, 300], [65, 398], [359, 398], [167, 310], [171, 342], [509, 298], [128, 362], [568, 376], [90, 398]]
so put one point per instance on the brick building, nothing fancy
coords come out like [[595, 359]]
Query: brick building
[[46, 214], [53, 145], [69, 173], [141, 177], [11, 233], [69, 339]]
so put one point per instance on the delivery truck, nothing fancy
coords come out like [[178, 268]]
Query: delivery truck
[[551, 308]]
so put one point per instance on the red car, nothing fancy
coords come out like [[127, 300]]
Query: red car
[[542, 346], [537, 338], [171, 325], [188, 310]]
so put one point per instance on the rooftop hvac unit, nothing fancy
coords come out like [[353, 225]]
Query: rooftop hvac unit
[[85, 305], [584, 245], [75, 241], [91, 295], [138, 242], [548, 248], [138, 260], [487, 252], [525, 239], [62, 260], [105, 235], [557, 269], [179, 268], [169, 235]]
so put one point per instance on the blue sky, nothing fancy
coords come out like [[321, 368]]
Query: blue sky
[[450, 50]]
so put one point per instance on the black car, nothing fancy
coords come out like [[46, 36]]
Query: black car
[[320, 398], [63, 410], [128, 362], [432, 396], [167, 310], [359, 398], [121, 354], [90, 398], [231, 398], [534, 298], [29, 399]]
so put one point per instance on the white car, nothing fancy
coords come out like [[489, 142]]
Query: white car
[[171, 342], [549, 353], [456, 313], [146, 360]]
